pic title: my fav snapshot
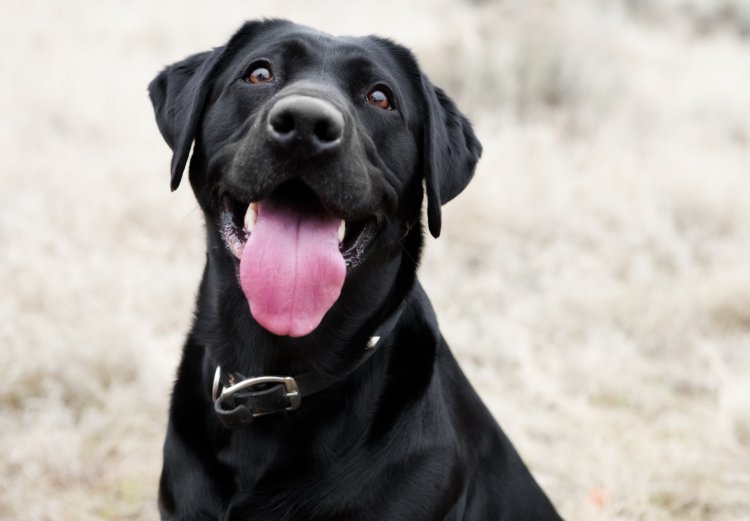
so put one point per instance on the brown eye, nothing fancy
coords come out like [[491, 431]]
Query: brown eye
[[259, 75], [379, 98]]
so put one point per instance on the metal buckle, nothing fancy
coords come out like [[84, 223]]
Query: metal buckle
[[216, 384], [289, 383], [215, 392]]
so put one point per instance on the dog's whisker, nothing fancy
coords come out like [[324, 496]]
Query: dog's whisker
[[177, 226]]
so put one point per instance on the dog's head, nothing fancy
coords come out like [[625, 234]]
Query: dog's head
[[310, 154]]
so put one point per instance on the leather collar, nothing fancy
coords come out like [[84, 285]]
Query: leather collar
[[239, 399]]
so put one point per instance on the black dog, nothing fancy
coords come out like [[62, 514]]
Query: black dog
[[315, 384]]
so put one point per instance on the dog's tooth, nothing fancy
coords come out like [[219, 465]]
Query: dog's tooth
[[342, 231], [236, 248], [251, 216]]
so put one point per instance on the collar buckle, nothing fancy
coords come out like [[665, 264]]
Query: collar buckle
[[242, 401]]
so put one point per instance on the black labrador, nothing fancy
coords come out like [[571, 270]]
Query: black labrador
[[315, 383]]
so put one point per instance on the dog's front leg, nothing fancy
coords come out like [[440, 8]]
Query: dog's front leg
[[186, 492]]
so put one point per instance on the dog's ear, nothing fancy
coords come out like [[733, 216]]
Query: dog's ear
[[451, 152], [178, 94]]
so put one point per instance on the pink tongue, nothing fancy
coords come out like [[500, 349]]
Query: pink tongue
[[291, 269]]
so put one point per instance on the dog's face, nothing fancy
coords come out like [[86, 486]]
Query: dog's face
[[310, 154]]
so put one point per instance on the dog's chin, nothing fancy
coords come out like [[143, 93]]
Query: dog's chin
[[292, 256]]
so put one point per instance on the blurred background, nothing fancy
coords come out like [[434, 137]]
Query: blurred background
[[593, 280]]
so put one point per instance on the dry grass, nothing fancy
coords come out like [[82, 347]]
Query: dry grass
[[594, 280]]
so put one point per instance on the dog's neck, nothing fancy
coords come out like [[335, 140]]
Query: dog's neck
[[321, 428]]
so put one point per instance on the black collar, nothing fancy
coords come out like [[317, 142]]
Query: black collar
[[238, 399]]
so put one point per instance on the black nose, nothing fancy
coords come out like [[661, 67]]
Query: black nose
[[307, 124]]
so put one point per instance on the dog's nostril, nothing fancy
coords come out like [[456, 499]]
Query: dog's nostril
[[327, 130], [282, 122], [307, 124]]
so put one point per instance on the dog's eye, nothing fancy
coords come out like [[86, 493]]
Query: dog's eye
[[261, 74], [379, 97]]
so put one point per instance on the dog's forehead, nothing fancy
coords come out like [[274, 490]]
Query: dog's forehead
[[290, 42]]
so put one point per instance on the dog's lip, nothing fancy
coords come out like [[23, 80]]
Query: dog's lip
[[237, 220]]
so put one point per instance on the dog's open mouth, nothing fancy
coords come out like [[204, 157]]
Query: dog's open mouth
[[237, 221], [293, 256]]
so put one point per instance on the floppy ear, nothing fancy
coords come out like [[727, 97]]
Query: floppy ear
[[451, 152], [178, 94]]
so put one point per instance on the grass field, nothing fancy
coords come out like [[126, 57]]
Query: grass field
[[594, 279]]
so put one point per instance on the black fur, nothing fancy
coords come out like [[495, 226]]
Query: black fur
[[405, 437]]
